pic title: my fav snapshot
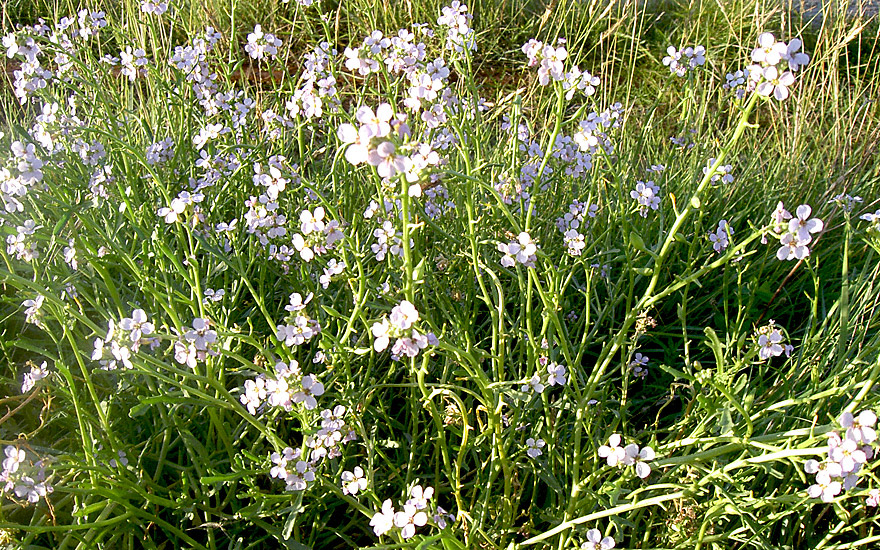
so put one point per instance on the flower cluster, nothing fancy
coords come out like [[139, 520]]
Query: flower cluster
[[298, 328], [573, 223], [260, 45], [196, 343], [21, 171], [22, 245], [414, 514], [401, 325], [720, 238], [774, 65], [522, 250], [845, 456], [437, 201], [551, 67], [288, 386], [35, 374], [680, 62], [316, 237], [647, 196], [721, 173], [554, 375], [318, 89], [374, 142], [459, 34], [847, 201], [737, 83], [297, 467], [631, 455], [794, 233], [115, 350], [22, 477]]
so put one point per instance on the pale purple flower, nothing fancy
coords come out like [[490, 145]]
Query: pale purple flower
[[860, 428], [824, 488], [796, 60], [595, 541], [770, 345]]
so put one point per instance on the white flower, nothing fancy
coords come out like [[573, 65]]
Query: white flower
[[408, 519], [613, 452], [404, 315], [381, 332], [769, 51], [534, 447], [30, 378], [352, 482], [792, 248], [383, 521], [420, 497], [639, 458], [14, 458], [310, 388], [595, 541], [556, 374], [312, 222], [848, 455], [803, 226], [534, 384]]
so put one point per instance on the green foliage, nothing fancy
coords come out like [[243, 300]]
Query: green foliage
[[160, 450]]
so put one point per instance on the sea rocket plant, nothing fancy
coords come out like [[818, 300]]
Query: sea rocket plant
[[680, 62], [522, 251], [774, 66], [845, 457], [401, 326], [630, 455]]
